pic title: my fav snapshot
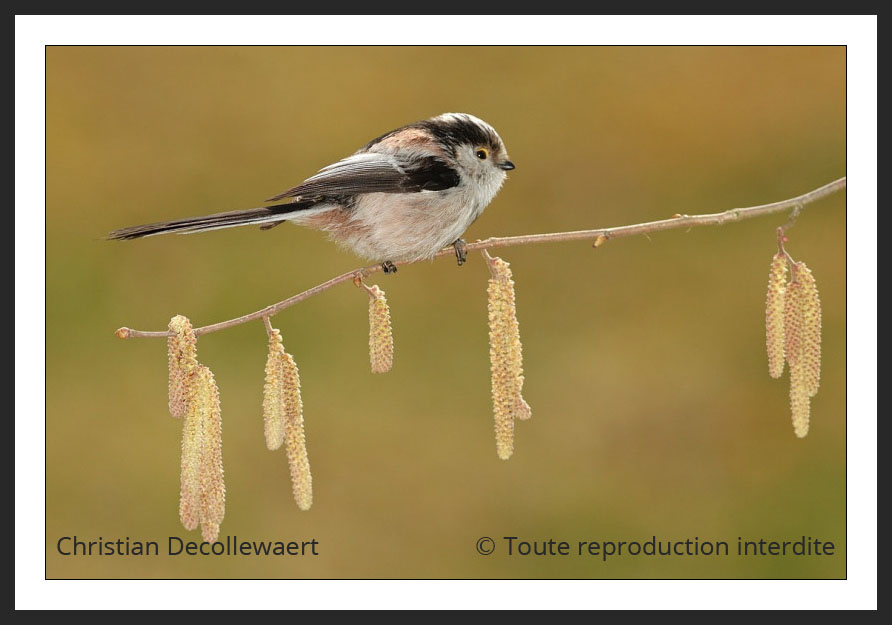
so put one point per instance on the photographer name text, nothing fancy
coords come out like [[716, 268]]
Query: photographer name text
[[175, 546]]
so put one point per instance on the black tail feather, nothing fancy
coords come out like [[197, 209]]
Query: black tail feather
[[265, 215]]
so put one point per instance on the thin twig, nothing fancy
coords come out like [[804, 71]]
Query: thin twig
[[489, 261], [369, 290], [600, 236]]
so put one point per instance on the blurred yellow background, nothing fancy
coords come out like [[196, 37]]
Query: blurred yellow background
[[653, 412]]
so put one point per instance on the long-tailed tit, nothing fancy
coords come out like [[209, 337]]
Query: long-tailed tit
[[402, 197]]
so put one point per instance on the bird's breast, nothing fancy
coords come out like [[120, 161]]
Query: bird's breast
[[407, 226]]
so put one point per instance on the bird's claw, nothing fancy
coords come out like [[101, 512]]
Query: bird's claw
[[461, 251], [388, 267]]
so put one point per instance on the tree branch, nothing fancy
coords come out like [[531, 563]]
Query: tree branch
[[600, 236]]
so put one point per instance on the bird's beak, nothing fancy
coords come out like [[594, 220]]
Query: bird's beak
[[506, 165]]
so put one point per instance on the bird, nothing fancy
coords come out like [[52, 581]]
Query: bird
[[403, 196]]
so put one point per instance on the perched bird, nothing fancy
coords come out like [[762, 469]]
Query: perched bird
[[402, 197]]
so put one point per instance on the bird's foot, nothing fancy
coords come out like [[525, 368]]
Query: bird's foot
[[388, 267], [461, 251]]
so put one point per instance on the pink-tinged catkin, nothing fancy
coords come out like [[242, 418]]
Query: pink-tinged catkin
[[181, 360], [273, 394], [774, 315], [380, 332], [213, 489], [295, 439], [506, 357]]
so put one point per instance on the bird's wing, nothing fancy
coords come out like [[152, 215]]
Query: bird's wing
[[376, 173]]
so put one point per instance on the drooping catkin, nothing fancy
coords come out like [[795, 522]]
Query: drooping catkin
[[295, 439], [774, 315], [181, 360], [506, 357], [802, 343], [202, 490], [210, 532], [800, 403], [810, 310], [213, 489], [274, 394], [190, 454], [380, 332]]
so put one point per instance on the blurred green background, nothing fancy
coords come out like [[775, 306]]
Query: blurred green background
[[653, 412]]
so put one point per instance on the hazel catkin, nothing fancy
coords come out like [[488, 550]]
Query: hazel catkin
[[810, 311], [202, 489], [380, 331], [802, 344], [295, 438], [774, 315], [212, 487], [191, 457], [181, 359], [506, 357], [274, 394]]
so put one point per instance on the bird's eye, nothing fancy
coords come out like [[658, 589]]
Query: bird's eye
[[482, 153]]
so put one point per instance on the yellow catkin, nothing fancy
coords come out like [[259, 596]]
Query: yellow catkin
[[202, 490], [506, 358], [181, 359], [802, 344], [810, 309], [295, 439], [380, 332], [793, 323], [502, 402], [273, 394], [213, 489], [191, 453], [774, 315], [799, 401]]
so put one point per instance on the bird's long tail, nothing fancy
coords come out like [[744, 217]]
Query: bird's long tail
[[267, 216]]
